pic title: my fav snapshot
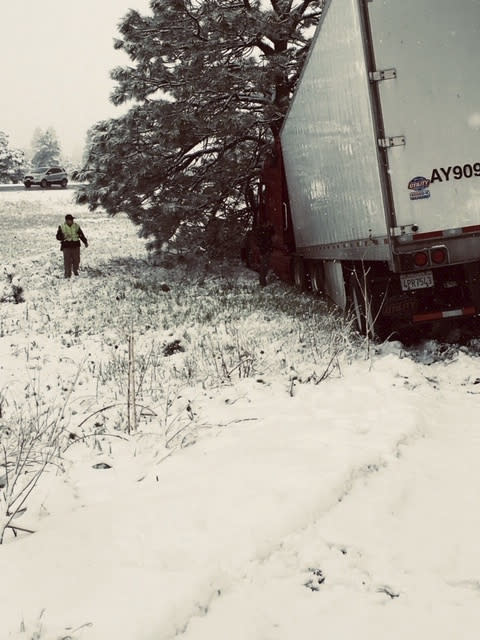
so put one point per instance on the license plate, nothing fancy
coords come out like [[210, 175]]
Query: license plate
[[420, 280]]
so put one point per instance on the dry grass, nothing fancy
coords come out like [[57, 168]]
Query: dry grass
[[195, 327]]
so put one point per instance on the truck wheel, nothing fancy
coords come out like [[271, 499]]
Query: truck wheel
[[317, 277], [299, 274], [28, 184]]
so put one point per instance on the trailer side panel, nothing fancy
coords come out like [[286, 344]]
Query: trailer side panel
[[329, 141]]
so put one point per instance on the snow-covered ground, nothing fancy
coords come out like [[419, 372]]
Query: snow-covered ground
[[284, 480]]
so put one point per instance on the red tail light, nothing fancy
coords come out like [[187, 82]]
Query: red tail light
[[438, 255], [420, 259]]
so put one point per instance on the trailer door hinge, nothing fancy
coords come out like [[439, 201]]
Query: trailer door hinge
[[382, 74], [394, 141]]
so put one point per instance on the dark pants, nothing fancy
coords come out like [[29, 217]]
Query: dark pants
[[71, 260]]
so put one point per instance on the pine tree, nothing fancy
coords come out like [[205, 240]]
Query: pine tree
[[211, 81], [11, 161], [46, 148]]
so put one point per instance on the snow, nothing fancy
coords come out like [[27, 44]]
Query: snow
[[286, 507]]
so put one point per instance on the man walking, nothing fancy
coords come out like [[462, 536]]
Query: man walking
[[70, 235]]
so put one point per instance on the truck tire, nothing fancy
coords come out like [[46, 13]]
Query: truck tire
[[44, 184], [317, 277], [299, 277]]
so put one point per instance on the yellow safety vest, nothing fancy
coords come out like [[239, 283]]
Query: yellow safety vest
[[70, 232]]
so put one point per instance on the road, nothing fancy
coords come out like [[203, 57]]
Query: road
[[19, 187]]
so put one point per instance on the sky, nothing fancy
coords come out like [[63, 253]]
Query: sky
[[56, 60]]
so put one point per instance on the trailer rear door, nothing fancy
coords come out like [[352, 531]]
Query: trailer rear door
[[434, 103]]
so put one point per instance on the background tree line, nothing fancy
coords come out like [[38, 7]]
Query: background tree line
[[45, 151], [11, 161], [210, 82]]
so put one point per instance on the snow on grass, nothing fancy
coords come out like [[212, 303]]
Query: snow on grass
[[284, 480]]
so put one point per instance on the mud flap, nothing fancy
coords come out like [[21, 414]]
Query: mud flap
[[472, 277]]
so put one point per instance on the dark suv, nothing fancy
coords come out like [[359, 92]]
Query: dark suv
[[45, 177]]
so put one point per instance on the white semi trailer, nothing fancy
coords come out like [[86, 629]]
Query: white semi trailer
[[374, 194]]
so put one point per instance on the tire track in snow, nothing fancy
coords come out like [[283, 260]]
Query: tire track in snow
[[359, 576], [282, 550]]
